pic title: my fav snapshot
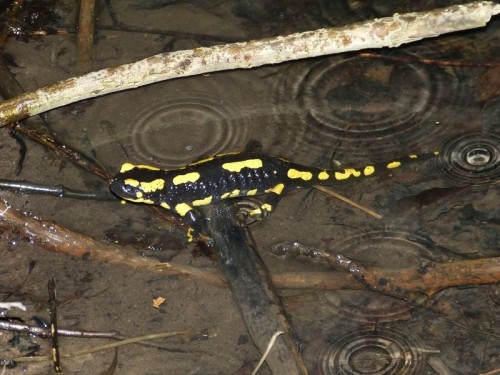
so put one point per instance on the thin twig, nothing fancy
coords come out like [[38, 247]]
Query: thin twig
[[112, 345], [268, 349], [85, 37], [46, 332], [73, 155], [56, 358], [348, 201]]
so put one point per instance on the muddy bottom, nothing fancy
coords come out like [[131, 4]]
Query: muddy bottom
[[329, 112]]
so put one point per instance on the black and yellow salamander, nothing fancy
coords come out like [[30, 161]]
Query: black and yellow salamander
[[228, 176]]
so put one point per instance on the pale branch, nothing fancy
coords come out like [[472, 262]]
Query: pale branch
[[384, 32]]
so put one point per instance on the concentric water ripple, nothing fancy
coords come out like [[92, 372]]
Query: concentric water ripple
[[176, 130], [247, 205], [367, 307], [385, 249], [367, 106], [375, 352], [470, 158], [389, 249]]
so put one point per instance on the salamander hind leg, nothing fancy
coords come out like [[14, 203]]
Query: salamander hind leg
[[268, 206]]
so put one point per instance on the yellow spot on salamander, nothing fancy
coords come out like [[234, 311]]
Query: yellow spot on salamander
[[165, 205], [413, 156], [140, 200], [234, 193], [126, 167], [202, 202], [190, 235], [278, 189], [369, 170], [185, 178], [293, 173], [182, 209], [347, 173], [237, 166], [256, 212], [436, 152], [139, 195], [131, 182], [393, 165], [252, 192], [123, 201], [267, 207], [149, 187], [323, 175]]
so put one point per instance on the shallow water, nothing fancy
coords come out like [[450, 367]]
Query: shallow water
[[338, 109]]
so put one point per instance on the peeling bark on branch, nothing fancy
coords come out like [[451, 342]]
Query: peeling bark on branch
[[385, 32]]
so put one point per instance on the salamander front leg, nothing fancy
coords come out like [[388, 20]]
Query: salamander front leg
[[194, 219]]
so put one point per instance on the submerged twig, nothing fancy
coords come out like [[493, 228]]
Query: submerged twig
[[268, 349], [435, 278], [73, 155], [22, 150], [348, 201], [85, 36], [54, 342], [46, 332], [112, 345], [56, 190], [412, 284], [54, 237], [252, 290], [385, 32]]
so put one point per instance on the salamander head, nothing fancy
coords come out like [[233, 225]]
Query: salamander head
[[137, 183]]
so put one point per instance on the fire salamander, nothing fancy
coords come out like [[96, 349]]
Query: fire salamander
[[228, 176]]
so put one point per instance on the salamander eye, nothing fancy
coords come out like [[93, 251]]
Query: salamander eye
[[128, 188], [121, 188]]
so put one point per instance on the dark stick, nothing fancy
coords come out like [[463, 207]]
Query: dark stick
[[85, 36], [22, 150], [57, 190], [253, 290], [53, 325], [68, 152]]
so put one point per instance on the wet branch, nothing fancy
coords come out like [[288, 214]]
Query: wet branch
[[437, 277], [54, 237], [385, 32], [412, 284]]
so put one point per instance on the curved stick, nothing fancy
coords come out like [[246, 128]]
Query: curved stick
[[384, 32]]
